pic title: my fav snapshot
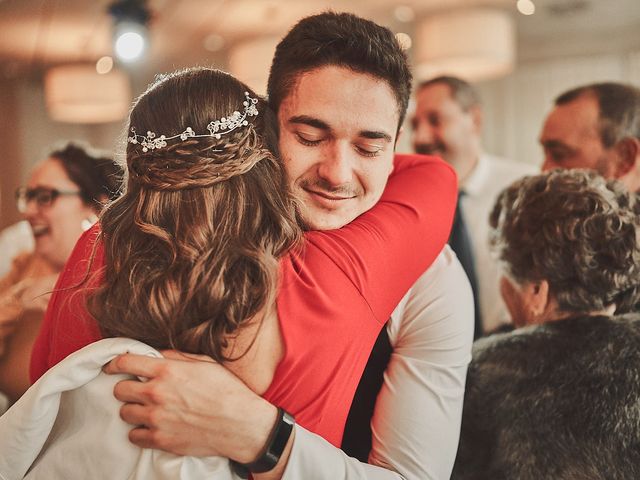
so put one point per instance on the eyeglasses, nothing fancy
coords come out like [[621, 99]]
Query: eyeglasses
[[44, 197]]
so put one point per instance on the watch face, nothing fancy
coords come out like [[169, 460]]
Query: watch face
[[287, 417]]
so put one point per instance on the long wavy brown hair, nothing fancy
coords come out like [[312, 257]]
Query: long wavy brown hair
[[192, 247]]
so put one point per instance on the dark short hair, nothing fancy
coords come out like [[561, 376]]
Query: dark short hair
[[343, 40], [619, 109], [461, 91], [574, 229], [96, 173]]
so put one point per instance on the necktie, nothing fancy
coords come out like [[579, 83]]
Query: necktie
[[460, 242]]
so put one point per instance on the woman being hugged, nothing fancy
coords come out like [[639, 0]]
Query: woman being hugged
[[192, 248], [193, 256]]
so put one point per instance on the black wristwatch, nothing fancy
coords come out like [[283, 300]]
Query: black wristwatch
[[272, 451]]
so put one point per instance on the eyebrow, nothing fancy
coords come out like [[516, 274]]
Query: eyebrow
[[555, 144], [375, 135], [322, 125], [311, 121]]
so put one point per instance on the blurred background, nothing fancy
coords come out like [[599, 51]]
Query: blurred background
[[69, 69]]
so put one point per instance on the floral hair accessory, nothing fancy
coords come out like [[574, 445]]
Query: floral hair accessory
[[216, 128]]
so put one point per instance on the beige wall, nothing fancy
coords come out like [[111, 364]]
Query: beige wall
[[12, 155]]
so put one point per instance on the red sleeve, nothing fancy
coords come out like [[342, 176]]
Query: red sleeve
[[385, 250], [67, 325]]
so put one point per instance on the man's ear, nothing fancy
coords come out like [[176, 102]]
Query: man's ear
[[537, 299], [628, 156]]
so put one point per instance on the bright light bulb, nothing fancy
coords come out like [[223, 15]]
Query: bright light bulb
[[526, 7], [129, 46], [213, 42], [104, 65], [404, 40], [404, 13]]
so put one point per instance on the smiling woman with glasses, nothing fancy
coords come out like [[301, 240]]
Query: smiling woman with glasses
[[63, 197]]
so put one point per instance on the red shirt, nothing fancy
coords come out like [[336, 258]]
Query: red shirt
[[333, 300]]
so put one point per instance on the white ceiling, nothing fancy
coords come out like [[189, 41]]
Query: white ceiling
[[35, 34]]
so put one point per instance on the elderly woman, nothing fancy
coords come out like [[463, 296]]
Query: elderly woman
[[559, 398]]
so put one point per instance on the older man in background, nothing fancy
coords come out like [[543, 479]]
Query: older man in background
[[596, 126], [448, 122]]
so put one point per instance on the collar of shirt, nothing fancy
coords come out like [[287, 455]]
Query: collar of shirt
[[478, 176]]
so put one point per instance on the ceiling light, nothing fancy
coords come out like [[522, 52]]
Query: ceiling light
[[213, 42], [404, 13], [526, 7], [104, 65], [78, 94], [475, 44], [130, 35], [404, 40], [130, 43]]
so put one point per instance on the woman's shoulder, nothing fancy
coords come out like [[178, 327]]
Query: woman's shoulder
[[582, 339]]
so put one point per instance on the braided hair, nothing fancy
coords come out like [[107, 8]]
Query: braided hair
[[192, 247]]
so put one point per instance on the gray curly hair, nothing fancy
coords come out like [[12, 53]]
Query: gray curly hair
[[574, 229]]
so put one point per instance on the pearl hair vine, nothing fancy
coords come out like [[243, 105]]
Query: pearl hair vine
[[216, 128]]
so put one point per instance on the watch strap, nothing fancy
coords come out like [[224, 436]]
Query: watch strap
[[272, 451]]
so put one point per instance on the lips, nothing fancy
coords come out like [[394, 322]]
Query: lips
[[328, 196], [39, 230], [327, 201]]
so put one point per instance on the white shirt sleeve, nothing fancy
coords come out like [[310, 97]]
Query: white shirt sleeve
[[416, 422], [14, 239]]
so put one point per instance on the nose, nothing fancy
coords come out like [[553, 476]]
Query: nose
[[337, 166]]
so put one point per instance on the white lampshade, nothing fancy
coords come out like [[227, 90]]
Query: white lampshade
[[78, 94], [250, 61], [474, 44]]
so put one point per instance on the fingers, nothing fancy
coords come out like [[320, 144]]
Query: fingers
[[134, 414], [138, 365], [152, 438], [145, 434], [142, 437], [131, 391]]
